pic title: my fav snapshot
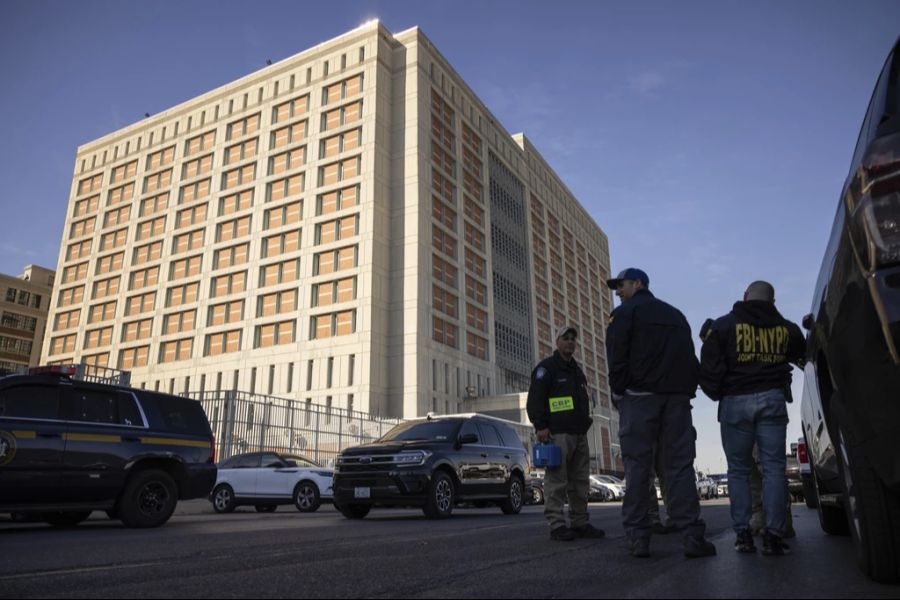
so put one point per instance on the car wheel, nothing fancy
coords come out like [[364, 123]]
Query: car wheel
[[537, 496], [354, 511], [223, 499], [266, 508], [440, 500], [148, 500], [66, 518], [306, 497], [873, 512], [515, 497]]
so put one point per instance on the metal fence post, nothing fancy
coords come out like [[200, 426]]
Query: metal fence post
[[316, 441], [290, 409], [228, 424], [340, 431]]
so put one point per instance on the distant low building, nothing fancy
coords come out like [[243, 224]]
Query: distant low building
[[24, 305]]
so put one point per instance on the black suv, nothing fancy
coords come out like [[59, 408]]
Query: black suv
[[69, 447], [435, 463], [851, 400]]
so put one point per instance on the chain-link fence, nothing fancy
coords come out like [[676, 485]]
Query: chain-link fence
[[244, 422]]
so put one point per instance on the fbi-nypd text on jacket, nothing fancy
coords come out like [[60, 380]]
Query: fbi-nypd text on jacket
[[558, 397], [649, 347], [750, 350]]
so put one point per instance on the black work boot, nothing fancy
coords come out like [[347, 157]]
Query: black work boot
[[773, 545], [697, 546], [744, 542], [588, 531], [562, 534], [640, 547]]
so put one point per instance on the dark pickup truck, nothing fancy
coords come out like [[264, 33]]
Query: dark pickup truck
[[851, 397]]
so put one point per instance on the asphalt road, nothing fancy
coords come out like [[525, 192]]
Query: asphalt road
[[398, 553]]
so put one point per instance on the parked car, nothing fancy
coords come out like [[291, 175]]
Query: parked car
[[721, 482], [809, 490], [267, 480], [792, 473], [435, 463], [850, 412], [69, 447], [706, 487], [537, 490], [606, 488]]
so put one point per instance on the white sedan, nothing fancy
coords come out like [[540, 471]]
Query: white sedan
[[266, 480]]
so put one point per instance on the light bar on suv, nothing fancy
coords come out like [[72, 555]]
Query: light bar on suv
[[67, 370]]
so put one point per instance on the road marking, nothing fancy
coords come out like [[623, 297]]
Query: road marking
[[81, 570]]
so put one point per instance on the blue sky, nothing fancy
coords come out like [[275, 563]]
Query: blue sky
[[709, 140]]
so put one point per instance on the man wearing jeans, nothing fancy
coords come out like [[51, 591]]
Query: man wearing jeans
[[746, 365]]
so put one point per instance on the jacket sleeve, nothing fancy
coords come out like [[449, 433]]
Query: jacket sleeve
[[618, 347], [538, 406], [797, 346], [712, 365]]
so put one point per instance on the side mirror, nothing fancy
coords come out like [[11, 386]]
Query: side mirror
[[809, 321], [469, 438]]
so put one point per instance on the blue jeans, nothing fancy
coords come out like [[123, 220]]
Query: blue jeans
[[756, 419]]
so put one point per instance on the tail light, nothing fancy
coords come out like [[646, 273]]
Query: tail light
[[212, 451], [879, 216], [875, 224], [802, 454]]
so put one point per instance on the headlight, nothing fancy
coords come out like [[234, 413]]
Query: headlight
[[411, 459]]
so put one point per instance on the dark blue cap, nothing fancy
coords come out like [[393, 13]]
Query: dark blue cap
[[629, 274]]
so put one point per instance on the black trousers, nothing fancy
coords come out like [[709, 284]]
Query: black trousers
[[665, 421]]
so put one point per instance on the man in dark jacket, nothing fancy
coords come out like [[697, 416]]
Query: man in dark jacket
[[560, 408], [746, 364], [653, 376]]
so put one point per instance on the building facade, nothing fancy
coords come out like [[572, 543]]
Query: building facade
[[349, 227], [24, 304]]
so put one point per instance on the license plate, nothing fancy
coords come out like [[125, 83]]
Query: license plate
[[362, 492]]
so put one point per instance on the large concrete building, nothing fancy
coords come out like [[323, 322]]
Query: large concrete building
[[350, 226], [24, 304]]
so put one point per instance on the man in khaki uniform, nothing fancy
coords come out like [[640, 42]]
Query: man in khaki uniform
[[560, 409]]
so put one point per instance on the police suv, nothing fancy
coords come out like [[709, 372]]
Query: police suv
[[69, 447]]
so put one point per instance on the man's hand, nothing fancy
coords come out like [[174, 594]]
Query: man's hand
[[543, 435]]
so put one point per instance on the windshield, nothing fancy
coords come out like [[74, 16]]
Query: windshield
[[433, 431], [301, 461]]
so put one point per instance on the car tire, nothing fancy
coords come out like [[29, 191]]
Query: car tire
[[66, 518], [873, 513], [537, 496], [354, 511], [149, 499], [515, 497], [440, 500], [223, 499], [306, 497], [266, 508]]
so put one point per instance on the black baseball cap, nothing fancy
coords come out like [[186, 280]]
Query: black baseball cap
[[631, 274]]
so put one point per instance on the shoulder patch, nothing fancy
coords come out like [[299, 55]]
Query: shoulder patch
[[540, 373]]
